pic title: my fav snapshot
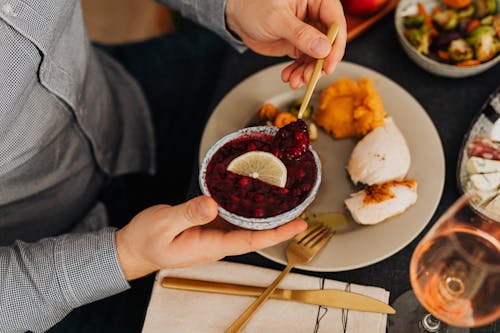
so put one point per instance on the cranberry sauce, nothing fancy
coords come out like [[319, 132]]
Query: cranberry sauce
[[251, 197], [291, 141]]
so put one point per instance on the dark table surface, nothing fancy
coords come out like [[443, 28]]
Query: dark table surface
[[451, 103]]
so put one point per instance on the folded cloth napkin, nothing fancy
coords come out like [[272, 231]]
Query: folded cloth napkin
[[182, 311]]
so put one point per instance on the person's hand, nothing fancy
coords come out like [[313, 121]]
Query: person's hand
[[290, 27], [165, 236]]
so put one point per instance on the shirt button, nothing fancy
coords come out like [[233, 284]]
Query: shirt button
[[8, 10]]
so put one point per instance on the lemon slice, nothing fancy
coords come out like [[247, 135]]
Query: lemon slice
[[260, 165]]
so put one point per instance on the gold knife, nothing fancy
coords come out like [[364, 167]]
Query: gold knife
[[327, 297]]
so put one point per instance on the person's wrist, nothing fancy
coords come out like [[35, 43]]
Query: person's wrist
[[132, 265]]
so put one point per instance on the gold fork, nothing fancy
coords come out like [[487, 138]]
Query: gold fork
[[301, 250]]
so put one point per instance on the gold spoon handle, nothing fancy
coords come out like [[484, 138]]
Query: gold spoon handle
[[332, 33]]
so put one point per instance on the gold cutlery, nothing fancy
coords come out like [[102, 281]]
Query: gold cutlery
[[301, 249], [326, 297]]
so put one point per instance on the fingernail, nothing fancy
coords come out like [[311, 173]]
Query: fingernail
[[320, 46]]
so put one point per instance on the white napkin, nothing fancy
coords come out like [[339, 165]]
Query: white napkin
[[182, 311]]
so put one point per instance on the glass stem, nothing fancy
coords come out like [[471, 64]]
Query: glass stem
[[430, 323]]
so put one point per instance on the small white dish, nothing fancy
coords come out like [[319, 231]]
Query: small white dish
[[252, 222]]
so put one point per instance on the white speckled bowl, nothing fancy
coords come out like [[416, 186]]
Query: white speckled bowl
[[249, 222], [430, 65]]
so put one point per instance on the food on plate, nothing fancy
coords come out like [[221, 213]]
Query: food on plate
[[313, 132], [482, 165], [294, 109], [485, 148], [284, 118], [378, 202], [270, 115], [495, 131], [262, 175], [494, 206], [379, 161], [457, 3], [483, 176], [380, 156], [268, 112], [479, 168], [330, 219], [485, 7], [486, 182], [349, 108], [456, 32]]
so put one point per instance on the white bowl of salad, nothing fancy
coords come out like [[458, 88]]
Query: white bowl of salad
[[451, 38]]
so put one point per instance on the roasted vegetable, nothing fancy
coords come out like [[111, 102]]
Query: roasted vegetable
[[456, 32], [284, 118], [267, 112], [419, 38], [496, 24], [468, 63], [444, 39], [313, 131], [487, 20], [485, 7], [473, 24], [443, 55], [446, 19], [295, 107], [457, 3], [466, 12], [460, 50], [486, 47], [479, 32], [413, 21]]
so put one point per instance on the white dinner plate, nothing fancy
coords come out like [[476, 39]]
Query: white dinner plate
[[353, 246]]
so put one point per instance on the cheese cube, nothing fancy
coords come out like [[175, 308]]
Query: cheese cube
[[482, 165], [494, 206], [495, 131], [486, 181]]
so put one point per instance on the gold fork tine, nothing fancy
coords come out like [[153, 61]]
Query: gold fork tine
[[307, 232], [301, 249], [323, 240], [313, 238]]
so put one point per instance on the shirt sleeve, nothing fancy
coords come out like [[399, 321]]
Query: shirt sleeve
[[209, 13], [40, 283]]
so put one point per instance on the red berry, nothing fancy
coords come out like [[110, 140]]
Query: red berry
[[258, 212], [259, 197], [244, 181], [300, 173]]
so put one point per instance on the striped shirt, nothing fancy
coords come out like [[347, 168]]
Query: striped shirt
[[70, 117]]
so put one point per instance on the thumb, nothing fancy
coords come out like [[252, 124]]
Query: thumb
[[198, 211], [306, 38]]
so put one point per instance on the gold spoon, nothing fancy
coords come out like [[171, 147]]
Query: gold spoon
[[331, 35]]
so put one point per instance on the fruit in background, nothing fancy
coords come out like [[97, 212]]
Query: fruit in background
[[363, 7]]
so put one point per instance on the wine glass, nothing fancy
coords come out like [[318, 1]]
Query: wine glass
[[454, 273]]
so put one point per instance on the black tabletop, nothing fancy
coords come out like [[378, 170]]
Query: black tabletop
[[451, 104]]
